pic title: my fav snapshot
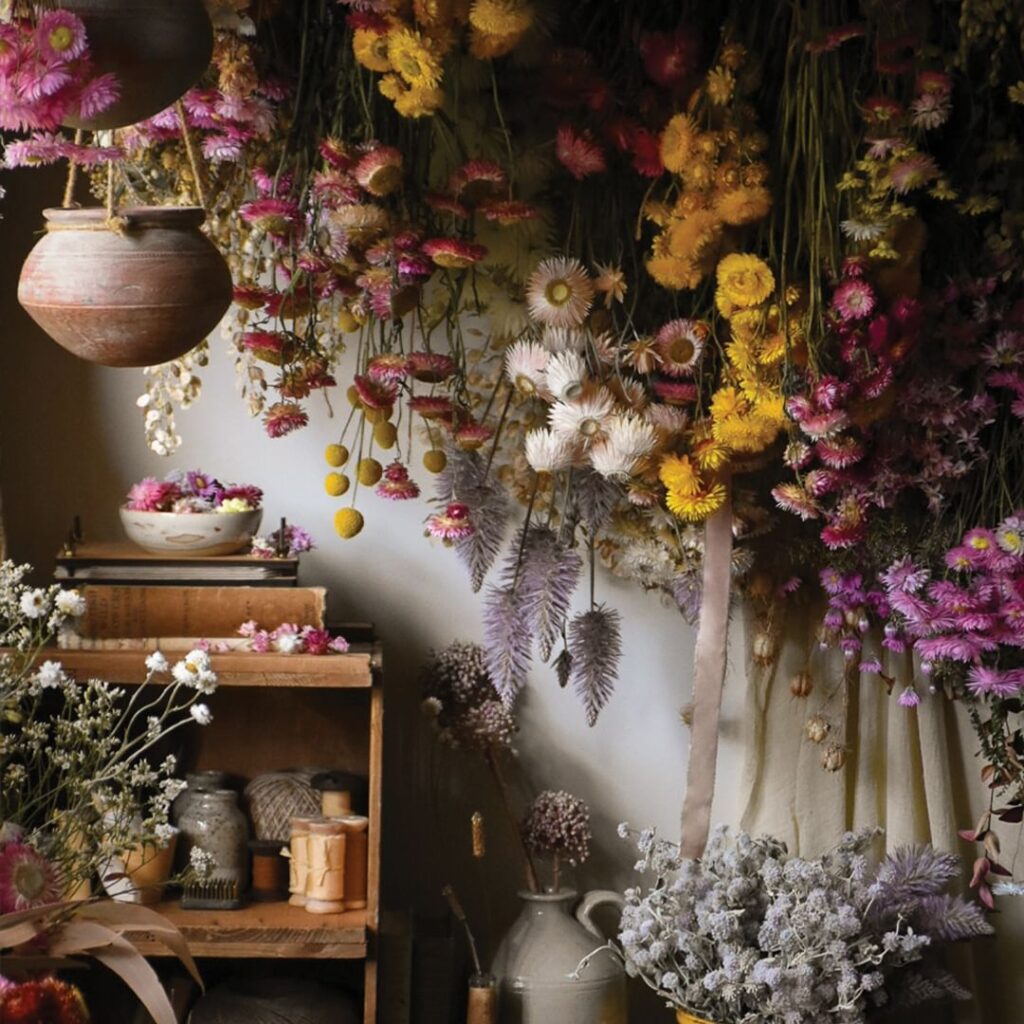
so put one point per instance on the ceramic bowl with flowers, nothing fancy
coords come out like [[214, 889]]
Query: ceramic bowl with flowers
[[191, 513]]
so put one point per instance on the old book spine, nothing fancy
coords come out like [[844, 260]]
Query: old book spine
[[133, 611], [167, 644]]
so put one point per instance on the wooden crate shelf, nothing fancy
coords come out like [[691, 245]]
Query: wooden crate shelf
[[265, 931], [237, 668]]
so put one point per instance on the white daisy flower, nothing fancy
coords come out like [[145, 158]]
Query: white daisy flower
[[560, 292], [583, 419], [50, 675], [627, 439], [70, 603], [565, 374], [862, 230], [525, 363], [156, 662], [201, 713], [33, 604], [547, 452]]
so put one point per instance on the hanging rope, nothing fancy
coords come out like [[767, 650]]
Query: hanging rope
[[69, 188], [193, 154]]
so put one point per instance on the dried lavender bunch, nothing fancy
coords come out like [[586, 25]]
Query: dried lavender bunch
[[557, 825], [747, 934], [461, 697]]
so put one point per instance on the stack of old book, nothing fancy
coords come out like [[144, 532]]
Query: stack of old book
[[122, 563], [178, 618]]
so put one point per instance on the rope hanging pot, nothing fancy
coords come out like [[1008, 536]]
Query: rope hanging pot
[[136, 286]]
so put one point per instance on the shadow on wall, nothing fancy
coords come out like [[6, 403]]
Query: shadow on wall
[[52, 461]]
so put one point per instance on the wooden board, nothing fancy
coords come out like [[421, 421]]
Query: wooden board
[[264, 930], [235, 668]]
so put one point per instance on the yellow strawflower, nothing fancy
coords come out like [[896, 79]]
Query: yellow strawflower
[[743, 280]]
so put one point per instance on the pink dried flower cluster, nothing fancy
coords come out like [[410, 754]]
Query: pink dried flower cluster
[[46, 75], [289, 638], [191, 491]]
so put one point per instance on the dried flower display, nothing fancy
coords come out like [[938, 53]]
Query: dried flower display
[[748, 934], [192, 491]]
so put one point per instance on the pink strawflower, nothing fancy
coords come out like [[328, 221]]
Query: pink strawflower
[[477, 181], [396, 485], [260, 641], [847, 527], [339, 645], [578, 153], [10, 48], [793, 498], [854, 299], [431, 367], [446, 204], [909, 698], [904, 575], [985, 681], [247, 492], [819, 425], [389, 368], [316, 641], [912, 172], [98, 94], [508, 211], [275, 216], [152, 495], [284, 417], [374, 393], [951, 647], [249, 628], [451, 525], [839, 452], [27, 879], [454, 253], [60, 37], [431, 407], [670, 58], [674, 392]]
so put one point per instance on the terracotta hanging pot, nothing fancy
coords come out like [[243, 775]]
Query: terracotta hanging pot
[[157, 48], [138, 297]]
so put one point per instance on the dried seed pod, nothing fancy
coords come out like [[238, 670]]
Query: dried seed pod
[[833, 758], [817, 728], [801, 684], [476, 824], [765, 648], [686, 714]]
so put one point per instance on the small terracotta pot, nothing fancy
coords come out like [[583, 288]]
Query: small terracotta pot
[[134, 299], [158, 49]]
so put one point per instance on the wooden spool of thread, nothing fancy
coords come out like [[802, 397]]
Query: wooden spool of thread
[[482, 1001], [270, 871], [298, 864], [325, 881], [336, 803], [356, 858]]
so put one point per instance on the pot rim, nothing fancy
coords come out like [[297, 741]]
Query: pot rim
[[189, 515], [562, 896], [137, 216]]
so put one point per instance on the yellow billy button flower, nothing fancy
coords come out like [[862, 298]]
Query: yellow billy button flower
[[336, 455], [369, 472], [385, 434], [352, 395], [348, 522], [435, 460], [336, 484], [376, 416]]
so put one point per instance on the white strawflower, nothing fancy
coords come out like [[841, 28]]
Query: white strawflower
[[525, 363], [669, 419], [70, 603], [191, 667], [585, 418], [50, 675], [288, 643], [862, 230], [201, 713], [33, 603], [156, 662], [560, 292], [627, 439], [547, 452], [565, 373]]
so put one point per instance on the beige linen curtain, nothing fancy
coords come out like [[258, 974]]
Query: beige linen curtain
[[907, 770]]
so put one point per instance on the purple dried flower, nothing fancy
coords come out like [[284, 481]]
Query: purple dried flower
[[595, 645], [594, 498], [557, 824]]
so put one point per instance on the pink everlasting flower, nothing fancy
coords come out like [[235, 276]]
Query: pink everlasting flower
[[27, 879], [152, 495], [98, 94], [60, 36], [578, 153], [670, 58], [284, 417], [854, 299], [909, 698], [316, 641]]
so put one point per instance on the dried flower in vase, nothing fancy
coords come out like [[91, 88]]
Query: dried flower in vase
[[557, 825]]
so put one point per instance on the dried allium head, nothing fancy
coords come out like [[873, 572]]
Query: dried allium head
[[816, 728], [801, 684], [460, 696], [558, 824], [833, 758]]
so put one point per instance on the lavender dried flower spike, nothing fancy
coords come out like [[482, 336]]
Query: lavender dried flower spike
[[595, 646]]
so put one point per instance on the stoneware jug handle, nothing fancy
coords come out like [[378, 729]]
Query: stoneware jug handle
[[591, 901]]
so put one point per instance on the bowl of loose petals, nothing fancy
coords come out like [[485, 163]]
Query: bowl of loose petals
[[191, 513]]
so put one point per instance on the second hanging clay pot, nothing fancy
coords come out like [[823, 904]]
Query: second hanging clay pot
[[157, 49], [138, 297]]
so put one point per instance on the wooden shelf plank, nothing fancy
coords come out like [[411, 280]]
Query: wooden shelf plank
[[263, 931], [236, 668]]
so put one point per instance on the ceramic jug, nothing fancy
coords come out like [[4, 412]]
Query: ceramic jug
[[536, 964]]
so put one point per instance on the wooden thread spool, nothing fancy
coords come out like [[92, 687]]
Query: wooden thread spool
[[325, 881], [270, 871], [336, 803], [298, 864], [482, 1001], [356, 858]]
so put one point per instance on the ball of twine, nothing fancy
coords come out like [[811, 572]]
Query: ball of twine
[[277, 797]]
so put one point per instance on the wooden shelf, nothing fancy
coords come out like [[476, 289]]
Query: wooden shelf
[[236, 668], [264, 930]]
